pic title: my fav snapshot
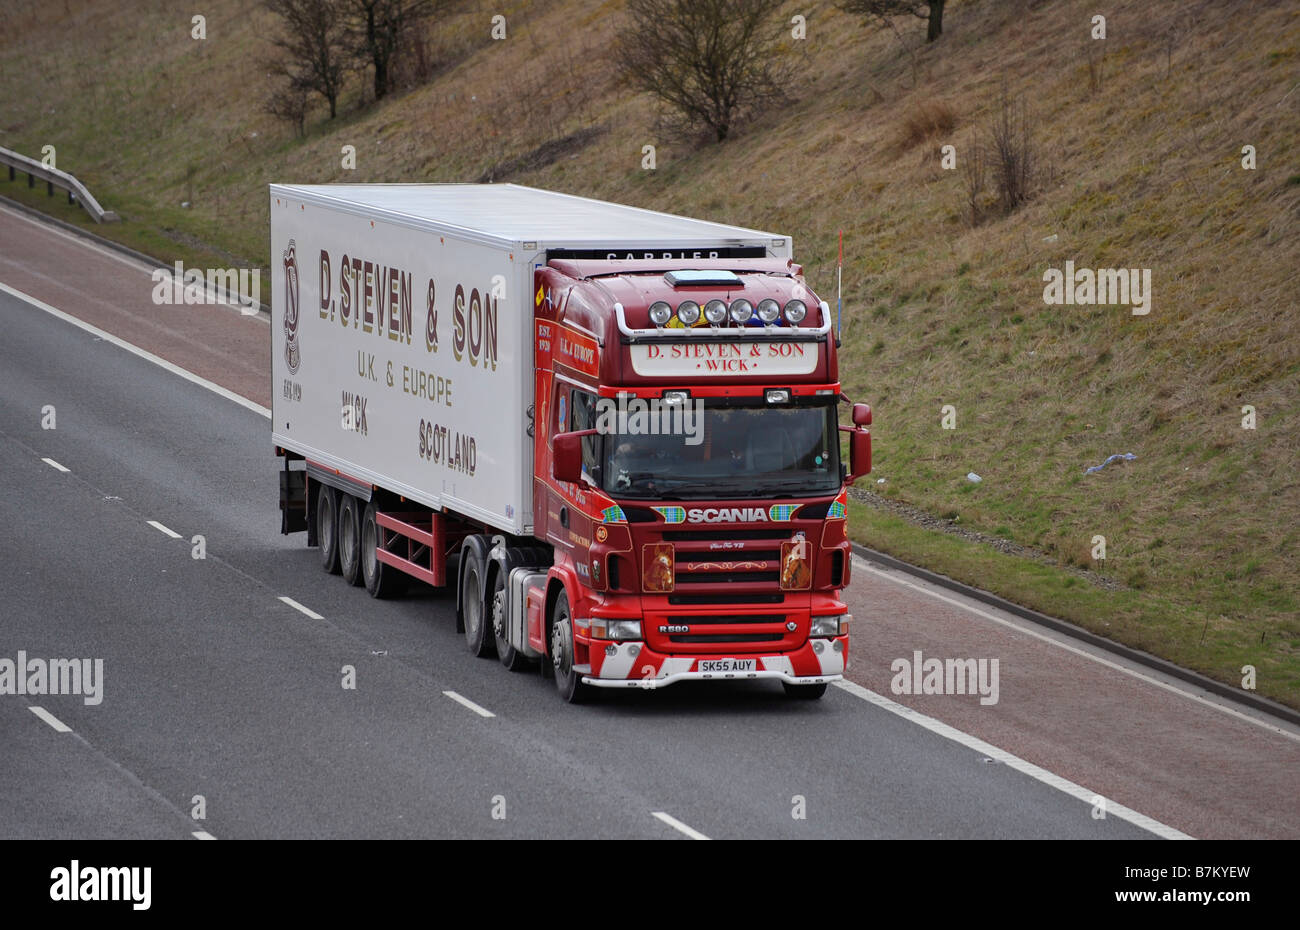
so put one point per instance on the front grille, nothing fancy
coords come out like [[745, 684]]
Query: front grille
[[728, 638], [740, 618], [699, 600]]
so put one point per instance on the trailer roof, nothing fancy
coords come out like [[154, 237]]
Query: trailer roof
[[513, 213]]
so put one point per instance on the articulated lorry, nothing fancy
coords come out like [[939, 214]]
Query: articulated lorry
[[614, 431]]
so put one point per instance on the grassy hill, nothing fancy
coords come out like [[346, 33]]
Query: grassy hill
[[1139, 142]]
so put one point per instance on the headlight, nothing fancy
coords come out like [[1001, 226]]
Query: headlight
[[741, 310], [660, 313], [769, 310], [833, 625], [795, 311], [615, 629], [715, 311], [688, 311]]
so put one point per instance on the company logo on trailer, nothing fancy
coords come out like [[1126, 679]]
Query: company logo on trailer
[[292, 353]]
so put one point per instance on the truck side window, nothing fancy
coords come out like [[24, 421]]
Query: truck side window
[[584, 417]]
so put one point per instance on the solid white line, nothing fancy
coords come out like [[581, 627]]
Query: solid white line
[[1020, 628], [481, 711], [162, 529], [54, 464], [296, 606], [678, 825], [202, 835], [1015, 762], [136, 350], [49, 718]]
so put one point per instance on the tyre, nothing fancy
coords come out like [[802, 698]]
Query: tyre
[[804, 692], [478, 633], [381, 580], [327, 528], [567, 680], [350, 539], [510, 657]]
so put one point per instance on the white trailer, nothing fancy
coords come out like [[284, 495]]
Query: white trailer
[[402, 346]]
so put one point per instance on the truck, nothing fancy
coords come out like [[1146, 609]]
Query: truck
[[616, 432]]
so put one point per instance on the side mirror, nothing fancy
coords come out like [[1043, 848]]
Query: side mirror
[[859, 451], [861, 414], [566, 455]]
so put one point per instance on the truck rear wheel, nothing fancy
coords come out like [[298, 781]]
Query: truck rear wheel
[[327, 528], [350, 539], [510, 657], [804, 692], [381, 580], [567, 678], [478, 635]]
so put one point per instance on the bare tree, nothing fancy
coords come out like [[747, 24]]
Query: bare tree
[[379, 29], [313, 47], [929, 10], [710, 62], [289, 103], [1014, 156]]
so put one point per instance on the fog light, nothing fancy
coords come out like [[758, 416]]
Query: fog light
[[715, 311], [795, 311], [635, 650], [837, 645], [741, 310], [777, 395], [768, 310], [611, 650], [660, 313], [818, 646], [688, 311]]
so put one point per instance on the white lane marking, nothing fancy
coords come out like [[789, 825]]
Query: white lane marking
[[136, 350], [678, 825], [128, 260], [49, 718], [1020, 765], [1018, 627], [202, 835], [54, 464], [481, 711], [162, 529], [296, 606]]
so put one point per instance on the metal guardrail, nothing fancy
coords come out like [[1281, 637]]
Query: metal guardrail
[[53, 178]]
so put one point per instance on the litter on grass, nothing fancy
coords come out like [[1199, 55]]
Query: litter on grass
[[1127, 456]]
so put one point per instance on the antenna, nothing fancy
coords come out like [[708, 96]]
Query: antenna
[[839, 291]]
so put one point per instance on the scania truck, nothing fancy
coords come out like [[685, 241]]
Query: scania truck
[[615, 432]]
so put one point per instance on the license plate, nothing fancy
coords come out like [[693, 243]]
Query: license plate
[[715, 666]]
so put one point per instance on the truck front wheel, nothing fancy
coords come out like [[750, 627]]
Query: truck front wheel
[[350, 539], [327, 528], [567, 679]]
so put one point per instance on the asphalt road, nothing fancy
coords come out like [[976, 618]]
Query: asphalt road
[[214, 687]]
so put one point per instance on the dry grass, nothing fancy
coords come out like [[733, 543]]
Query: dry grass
[[1147, 174]]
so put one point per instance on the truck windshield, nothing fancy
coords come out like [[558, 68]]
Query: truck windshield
[[729, 448]]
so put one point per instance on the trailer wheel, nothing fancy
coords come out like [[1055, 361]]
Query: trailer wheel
[[510, 657], [381, 580], [804, 692], [350, 540], [477, 632], [567, 679], [327, 528]]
